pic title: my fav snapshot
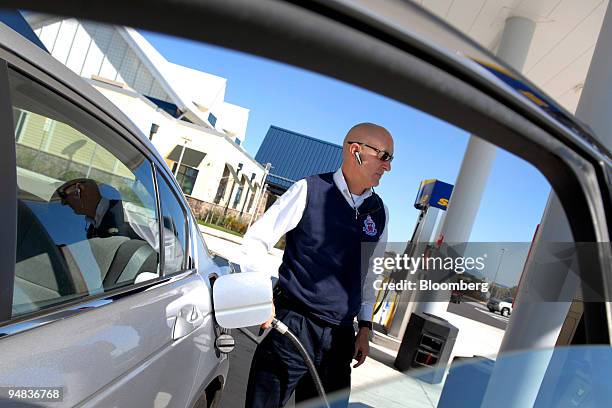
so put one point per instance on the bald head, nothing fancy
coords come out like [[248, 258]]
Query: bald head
[[361, 165], [367, 133]]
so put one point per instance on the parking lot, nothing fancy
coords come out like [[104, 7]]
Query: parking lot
[[376, 383], [478, 312]]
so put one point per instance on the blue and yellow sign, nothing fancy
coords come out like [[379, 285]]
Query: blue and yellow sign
[[433, 193]]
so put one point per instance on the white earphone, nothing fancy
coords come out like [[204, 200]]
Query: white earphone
[[358, 157]]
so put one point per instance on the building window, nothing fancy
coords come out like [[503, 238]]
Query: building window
[[222, 185], [238, 196], [237, 141], [251, 200], [168, 107], [186, 177], [212, 119]]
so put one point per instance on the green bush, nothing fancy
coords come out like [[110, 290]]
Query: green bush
[[216, 218]]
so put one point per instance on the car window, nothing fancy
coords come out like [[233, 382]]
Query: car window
[[175, 229], [86, 203], [199, 253]]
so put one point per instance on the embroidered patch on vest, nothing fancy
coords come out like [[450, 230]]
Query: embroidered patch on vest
[[369, 227]]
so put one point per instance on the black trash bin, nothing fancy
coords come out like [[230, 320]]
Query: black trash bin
[[427, 345]]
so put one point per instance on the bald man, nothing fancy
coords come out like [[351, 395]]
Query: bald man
[[323, 282]]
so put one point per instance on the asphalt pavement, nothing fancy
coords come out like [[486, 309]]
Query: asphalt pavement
[[240, 363], [478, 312]]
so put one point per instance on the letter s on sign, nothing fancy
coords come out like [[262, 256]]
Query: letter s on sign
[[443, 201]]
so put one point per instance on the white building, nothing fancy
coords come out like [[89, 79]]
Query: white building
[[198, 132]]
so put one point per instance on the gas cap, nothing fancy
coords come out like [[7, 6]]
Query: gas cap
[[225, 343]]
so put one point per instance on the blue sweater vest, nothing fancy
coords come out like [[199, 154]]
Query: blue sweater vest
[[324, 263]]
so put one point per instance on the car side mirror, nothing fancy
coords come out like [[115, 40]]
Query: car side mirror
[[242, 299]]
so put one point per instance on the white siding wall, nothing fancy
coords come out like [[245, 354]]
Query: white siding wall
[[143, 81], [95, 49], [64, 39], [129, 68], [94, 58], [78, 52], [48, 34], [113, 57], [233, 118]]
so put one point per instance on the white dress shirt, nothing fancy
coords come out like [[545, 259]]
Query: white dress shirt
[[284, 215]]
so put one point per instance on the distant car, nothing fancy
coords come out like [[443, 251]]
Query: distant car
[[502, 306], [456, 296], [108, 290]]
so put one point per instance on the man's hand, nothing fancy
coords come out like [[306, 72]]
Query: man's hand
[[362, 346], [268, 323]]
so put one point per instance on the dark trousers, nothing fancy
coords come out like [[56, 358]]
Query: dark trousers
[[277, 369]]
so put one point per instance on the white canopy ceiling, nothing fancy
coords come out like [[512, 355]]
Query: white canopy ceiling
[[562, 46]]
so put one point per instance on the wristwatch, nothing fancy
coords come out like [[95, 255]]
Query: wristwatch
[[364, 323]]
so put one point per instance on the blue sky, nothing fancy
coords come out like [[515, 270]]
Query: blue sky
[[425, 147]]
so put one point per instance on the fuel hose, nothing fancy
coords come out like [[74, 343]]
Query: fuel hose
[[284, 330]]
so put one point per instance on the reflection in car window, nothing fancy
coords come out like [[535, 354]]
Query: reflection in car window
[[86, 203], [175, 229]]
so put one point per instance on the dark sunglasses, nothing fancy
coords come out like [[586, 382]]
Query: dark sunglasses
[[68, 190], [381, 154]]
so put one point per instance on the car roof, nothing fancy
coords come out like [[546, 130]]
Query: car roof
[[400, 23], [16, 44]]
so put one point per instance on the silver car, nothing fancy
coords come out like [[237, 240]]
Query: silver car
[[107, 286], [503, 306]]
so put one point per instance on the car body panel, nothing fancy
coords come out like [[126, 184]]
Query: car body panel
[[122, 348]]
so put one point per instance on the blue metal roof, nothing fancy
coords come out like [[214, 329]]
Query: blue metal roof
[[295, 156], [15, 20]]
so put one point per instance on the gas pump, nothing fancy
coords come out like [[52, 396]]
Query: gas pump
[[393, 309]]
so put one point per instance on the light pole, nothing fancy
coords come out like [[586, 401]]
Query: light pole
[[178, 165], [261, 191], [239, 168], [503, 250], [154, 129], [246, 197]]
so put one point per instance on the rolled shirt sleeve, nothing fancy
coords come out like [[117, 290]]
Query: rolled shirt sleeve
[[283, 216], [368, 293]]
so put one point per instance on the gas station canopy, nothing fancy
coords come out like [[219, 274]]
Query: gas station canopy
[[563, 42]]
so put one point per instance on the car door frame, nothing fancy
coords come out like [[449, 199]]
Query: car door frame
[[8, 207]]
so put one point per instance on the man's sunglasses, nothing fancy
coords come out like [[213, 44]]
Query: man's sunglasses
[[69, 190], [381, 154]]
